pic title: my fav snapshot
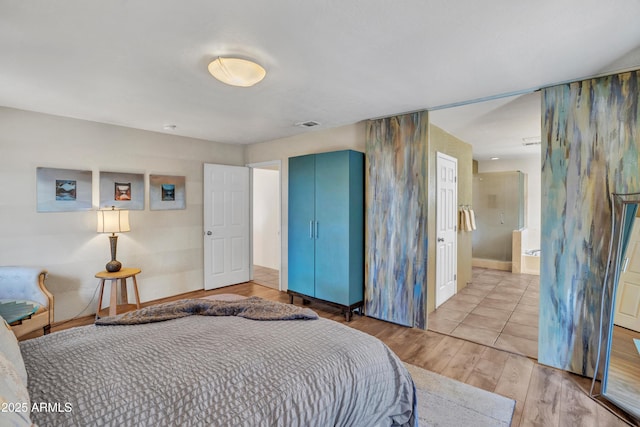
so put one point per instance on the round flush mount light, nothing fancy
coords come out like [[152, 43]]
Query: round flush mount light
[[236, 71]]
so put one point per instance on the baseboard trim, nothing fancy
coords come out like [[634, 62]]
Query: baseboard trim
[[491, 263]]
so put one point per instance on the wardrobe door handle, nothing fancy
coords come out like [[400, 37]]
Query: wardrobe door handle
[[311, 229], [317, 232]]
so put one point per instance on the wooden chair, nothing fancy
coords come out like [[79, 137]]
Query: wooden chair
[[26, 284]]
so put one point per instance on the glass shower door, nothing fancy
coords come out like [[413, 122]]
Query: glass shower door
[[498, 203]]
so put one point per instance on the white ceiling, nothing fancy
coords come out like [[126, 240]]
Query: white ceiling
[[143, 63], [496, 128]]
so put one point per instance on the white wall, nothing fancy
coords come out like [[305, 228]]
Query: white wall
[[266, 226], [532, 166], [166, 245], [350, 137]]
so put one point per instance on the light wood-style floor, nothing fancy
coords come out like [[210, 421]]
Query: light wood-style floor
[[544, 396]]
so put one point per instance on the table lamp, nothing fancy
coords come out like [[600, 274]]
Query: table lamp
[[113, 221]]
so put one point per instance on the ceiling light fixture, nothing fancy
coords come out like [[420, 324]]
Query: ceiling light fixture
[[236, 71], [495, 158]]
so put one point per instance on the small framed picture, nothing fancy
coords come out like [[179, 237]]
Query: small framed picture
[[63, 190], [122, 190], [66, 189], [166, 192]]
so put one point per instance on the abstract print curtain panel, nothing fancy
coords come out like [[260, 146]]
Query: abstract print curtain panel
[[590, 140], [396, 219]]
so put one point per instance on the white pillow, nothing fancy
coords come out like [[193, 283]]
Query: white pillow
[[15, 405], [11, 349]]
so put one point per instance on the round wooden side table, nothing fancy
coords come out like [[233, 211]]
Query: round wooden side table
[[115, 308]]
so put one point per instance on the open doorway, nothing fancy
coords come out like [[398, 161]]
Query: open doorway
[[497, 308], [265, 219]]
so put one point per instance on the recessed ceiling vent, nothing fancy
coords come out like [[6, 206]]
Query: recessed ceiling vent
[[532, 140], [308, 124]]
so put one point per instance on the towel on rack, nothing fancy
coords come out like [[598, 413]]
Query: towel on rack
[[472, 217], [461, 223], [467, 220]]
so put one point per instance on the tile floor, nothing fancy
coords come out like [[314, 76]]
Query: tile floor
[[497, 309], [266, 276]]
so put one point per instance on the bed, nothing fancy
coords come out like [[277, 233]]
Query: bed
[[224, 370]]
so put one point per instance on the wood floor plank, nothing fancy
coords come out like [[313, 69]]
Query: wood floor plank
[[606, 418], [438, 359], [576, 408], [464, 361], [488, 370], [607, 413], [495, 355], [411, 343], [542, 406], [514, 383], [485, 374]]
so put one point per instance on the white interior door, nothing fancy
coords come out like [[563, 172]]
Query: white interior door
[[627, 310], [446, 227], [226, 225]]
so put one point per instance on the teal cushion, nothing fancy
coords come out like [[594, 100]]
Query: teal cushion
[[14, 310]]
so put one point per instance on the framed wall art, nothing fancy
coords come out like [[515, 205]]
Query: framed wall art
[[122, 190], [166, 192], [63, 190]]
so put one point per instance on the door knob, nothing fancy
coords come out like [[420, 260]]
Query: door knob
[[440, 239], [209, 233]]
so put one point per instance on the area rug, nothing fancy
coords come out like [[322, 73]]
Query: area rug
[[443, 402]]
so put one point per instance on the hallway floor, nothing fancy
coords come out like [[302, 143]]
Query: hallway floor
[[497, 309], [266, 276]]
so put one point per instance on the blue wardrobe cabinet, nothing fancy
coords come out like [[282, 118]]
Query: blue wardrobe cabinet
[[326, 229]]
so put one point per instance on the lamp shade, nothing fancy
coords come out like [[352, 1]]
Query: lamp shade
[[236, 71], [113, 221]]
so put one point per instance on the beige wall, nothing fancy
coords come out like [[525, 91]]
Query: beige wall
[[441, 141], [350, 137], [166, 245]]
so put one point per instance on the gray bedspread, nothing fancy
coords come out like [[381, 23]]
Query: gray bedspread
[[218, 371]]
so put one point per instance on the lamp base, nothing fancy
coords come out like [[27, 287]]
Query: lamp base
[[113, 266]]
